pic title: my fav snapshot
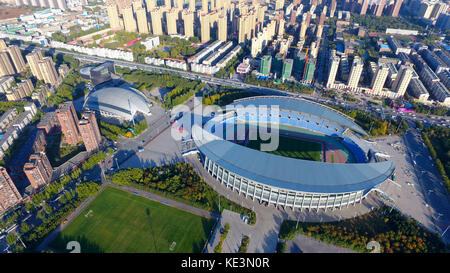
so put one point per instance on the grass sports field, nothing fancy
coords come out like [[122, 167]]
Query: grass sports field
[[120, 222], [294, 148]]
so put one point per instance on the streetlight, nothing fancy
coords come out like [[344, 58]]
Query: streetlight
[[18, 236], [442, 235], [117, 164]]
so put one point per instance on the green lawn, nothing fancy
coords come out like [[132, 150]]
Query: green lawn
[[294, 148], [121, 222]]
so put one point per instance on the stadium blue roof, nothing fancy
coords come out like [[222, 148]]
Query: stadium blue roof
[[289, 173], [292, 174], [303, 106]]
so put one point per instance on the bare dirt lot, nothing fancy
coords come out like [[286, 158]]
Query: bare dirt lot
[[11, 12]]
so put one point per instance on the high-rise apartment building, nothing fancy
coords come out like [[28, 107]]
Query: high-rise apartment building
[[439, 7], [204, 6], [179, 4], [156, 16], [287, 69], [141, 18], [6, 65], [33, 59], [191, 5], [308, 75], [9, 195], [333, 68], [279, 4], [113, 16], [136, 4], [222, 27], [278, 64], [2, 44], [242, 29], [38, 170], [128, 19], [171, 21], [204, 28], [364, 7], [355, 72], [188, 22], [68, 120], [49, 74], [380, 8], [396, 9], [151, 4], [281, 24], [379, 78], [319, 31], [403, 78], [266, 63], [16, 58], [303, 28], [90, 134], [333, 8]]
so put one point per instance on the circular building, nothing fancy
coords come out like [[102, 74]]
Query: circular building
[[287, 181], [117, 103], [85, 72]]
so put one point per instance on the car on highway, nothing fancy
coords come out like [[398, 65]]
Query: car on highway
[[140, 149]]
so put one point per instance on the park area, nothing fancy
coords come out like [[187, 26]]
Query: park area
[[120, 222]]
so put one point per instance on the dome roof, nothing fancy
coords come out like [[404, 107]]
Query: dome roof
[[117, 102]]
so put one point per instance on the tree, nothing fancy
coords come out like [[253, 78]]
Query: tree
[[87, 189], [41, 215], [126, 176], [195, 40], [11, 239], [29, 206], [24, 228], [48, 209]]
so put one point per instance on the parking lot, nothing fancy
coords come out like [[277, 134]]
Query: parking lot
[[418, 190], [238, 228]]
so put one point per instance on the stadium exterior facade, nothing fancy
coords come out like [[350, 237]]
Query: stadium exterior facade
[[285, 181]]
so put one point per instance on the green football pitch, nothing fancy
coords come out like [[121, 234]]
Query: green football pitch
[[120, 222], [293, 148]]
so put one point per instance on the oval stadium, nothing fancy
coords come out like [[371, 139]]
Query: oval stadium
[[321, 160]]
